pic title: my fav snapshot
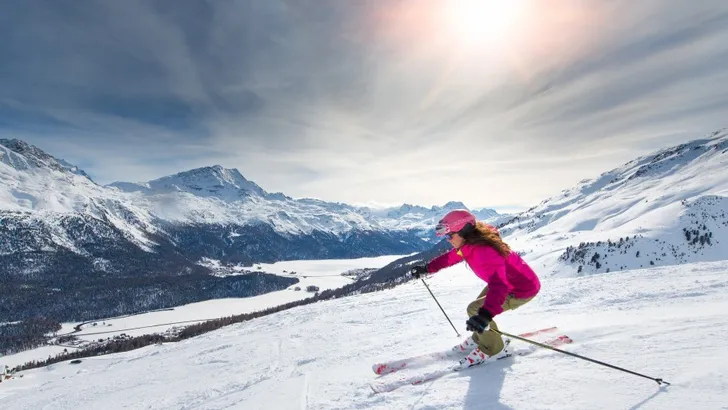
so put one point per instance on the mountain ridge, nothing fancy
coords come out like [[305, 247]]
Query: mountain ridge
[[647, 204], [27, 156]]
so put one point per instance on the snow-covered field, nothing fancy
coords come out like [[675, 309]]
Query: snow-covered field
[[666, 322]]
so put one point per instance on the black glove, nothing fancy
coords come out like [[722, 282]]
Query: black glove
[[479, 322], [419, 270]]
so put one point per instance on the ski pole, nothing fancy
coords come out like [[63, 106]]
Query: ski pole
[[438, 304], [658, 380]]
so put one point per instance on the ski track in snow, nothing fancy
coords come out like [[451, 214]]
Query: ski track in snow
[[667, 322]]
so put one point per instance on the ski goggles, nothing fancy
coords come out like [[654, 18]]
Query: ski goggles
[[443, 230]]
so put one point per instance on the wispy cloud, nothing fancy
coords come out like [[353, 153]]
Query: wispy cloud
[[362, 102]]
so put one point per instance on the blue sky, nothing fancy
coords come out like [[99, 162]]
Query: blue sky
[[493, 103]]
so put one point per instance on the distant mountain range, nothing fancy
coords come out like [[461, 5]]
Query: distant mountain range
[[62, 233], [219, 195]]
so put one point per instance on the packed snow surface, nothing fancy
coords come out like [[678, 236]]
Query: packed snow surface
[[666, 322]]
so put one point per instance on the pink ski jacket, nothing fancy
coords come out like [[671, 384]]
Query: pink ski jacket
[[505, 276]]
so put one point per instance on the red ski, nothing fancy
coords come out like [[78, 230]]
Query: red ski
[[381, 387], [427, 358]]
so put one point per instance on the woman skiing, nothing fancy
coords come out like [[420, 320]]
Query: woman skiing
[[511, 283]]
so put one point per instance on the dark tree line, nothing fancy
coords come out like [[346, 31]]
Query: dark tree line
[[110, 297], [26, 334]]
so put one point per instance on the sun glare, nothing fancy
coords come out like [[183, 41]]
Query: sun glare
[[483, 21]]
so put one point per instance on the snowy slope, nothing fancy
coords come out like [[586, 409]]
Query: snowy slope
[[663, 322], [645, 206]]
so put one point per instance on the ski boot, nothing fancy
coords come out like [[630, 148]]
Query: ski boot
[[476, 356], [466, 346]]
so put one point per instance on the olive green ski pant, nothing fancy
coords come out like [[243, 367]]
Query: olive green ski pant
[[490, 342]]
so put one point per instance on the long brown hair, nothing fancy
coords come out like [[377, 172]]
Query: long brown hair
[[485, 234]]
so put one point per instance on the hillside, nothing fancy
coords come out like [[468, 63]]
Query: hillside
[[661, 209]]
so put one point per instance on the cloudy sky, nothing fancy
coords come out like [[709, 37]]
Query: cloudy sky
[[493, 103]]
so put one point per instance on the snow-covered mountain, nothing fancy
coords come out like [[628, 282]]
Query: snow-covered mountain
[[23, 156], [665, 208], [70, 248], [216, 195], [38, 189], [57, 224], [214, 181], [219, 195]]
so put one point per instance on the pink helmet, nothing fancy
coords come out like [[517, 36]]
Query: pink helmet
[[454, 222]]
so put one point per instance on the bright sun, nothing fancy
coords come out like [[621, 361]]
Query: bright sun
[[482, 21]]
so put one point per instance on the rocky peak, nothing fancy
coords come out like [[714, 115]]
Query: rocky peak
[[23, 156]]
